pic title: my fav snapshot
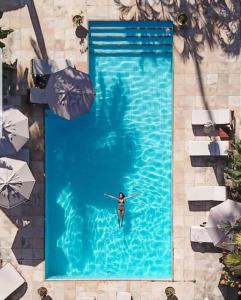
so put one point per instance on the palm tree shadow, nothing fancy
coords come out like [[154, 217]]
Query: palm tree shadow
[[104, 150], [215, 23]]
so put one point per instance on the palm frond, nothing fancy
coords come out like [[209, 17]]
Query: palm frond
[[237, 239], [233, 262]]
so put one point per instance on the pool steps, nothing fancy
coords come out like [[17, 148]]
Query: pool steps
[[129, 37]]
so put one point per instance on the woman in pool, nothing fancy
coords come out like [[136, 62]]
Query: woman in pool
[[121, 205]]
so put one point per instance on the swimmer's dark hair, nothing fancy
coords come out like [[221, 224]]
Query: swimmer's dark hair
[[123, 195]]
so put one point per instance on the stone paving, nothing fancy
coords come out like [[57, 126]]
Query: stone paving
[[214, 82]]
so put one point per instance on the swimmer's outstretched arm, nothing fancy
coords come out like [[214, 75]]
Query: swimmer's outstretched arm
[[110, 196], [132, 196]]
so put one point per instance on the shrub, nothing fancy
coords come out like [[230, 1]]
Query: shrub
[[232, 173]]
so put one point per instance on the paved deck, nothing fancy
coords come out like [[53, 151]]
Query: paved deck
[[207, 78]]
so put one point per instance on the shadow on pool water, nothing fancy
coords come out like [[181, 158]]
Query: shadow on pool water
[[91, 156]]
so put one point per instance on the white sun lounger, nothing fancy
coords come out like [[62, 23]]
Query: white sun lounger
[[10, 280], [199, 235], [207, 148], [207, 193], [217, 116], [123, 296], [49, 66]]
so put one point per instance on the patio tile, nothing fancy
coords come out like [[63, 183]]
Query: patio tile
[[234, 101], [221, 79]]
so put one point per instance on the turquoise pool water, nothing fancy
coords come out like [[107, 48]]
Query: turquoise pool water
[[123, 144]]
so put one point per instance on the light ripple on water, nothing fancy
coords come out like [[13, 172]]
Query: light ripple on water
[[133, 110]]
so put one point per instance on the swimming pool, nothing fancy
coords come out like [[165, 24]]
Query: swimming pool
[[123, 144]]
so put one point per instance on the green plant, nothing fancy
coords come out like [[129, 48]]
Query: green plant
[[232, 172], [228, 279], [3, 35], [237, 240], [170, 291], [182, 19], [3, 32], [78, 19], [42, 291], [233, 262], [227, 227]]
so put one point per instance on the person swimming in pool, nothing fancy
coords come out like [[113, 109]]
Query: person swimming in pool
[[121, 205]]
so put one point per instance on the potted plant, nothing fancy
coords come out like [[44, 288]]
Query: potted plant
[[182, 19], [231, 275], [170, 291], [78, 19], [42, 291], [81, 32]]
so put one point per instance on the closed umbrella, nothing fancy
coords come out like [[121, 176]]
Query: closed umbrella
[[7, 5], [16, 182], [228, 211], [69, 93], [15, 131]]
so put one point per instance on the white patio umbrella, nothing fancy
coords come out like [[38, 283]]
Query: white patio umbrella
[[7, 5], [15, 132], [69, 93], [16, 182], [228, 211]]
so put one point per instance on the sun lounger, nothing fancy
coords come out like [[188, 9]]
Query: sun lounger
[[45, 67], [87, 298], [207, 193], [207, 148], [10, 280], [37, 96], [199, 235], [123, 296], [49, 66], [217, 116]]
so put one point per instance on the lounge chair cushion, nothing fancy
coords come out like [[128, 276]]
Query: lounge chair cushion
[[207, 193], [217, 116], [200, 235], [10, 280], [207, 148], [37, 96], [123, 296]]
